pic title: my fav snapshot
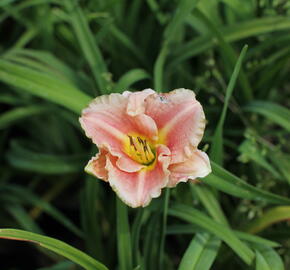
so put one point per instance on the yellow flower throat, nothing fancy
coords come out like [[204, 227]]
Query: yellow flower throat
[[140, 150]]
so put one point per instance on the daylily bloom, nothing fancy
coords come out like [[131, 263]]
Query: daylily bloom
[[147, 141]]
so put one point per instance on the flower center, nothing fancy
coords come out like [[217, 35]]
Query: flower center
[[140, 150]]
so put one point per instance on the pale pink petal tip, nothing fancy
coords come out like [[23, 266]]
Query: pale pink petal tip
[[179, 118], [96, 166], [197, 166], [136, 100]]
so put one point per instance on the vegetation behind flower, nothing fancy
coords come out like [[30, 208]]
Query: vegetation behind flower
[[57, 55]]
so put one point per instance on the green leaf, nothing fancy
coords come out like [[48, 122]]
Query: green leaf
[[128, 43], [196, 217], [159, 69], [216, 152], [124, 237], [271, 216], [47, 63], [91, 217], [43, 85], [183, 10], [130, 78], [274, 112], [268, 259], [13, 116], [210, 202], [228, 54], [16, 194], [65, 265], [231, 184], [23, 219], [192, 229], [88, 44], [200, 253], [163, 228], [26, 159], [56, 246], [230, 33], [251, 151]]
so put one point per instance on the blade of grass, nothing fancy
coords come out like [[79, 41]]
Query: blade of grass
[[47, 63], [159, 69], [271, 216], [251, 151], [22, 218], [274, 112], [192, 229], [140, 219], [43, 85], [18, 114], [216, 152], [25, 159], [65, 265], [123, 236], [268, 259], [183, 10], [130, 78], [230, 33], [228, 54], [163, 228], [24, 195], [200, 253], [90, 218], [128, 43], [196, 217], [88, 44], [210, 202], [56, 246], [223, 180]]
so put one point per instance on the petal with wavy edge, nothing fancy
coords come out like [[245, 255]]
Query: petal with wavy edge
[[96, 166], [106, 121], [136, 103], [179, 118], [197, 165], [138, 188]]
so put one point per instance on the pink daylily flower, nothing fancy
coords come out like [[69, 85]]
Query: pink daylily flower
[[147, 141]]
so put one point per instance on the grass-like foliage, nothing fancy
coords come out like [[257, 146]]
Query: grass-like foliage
[[55, 56]]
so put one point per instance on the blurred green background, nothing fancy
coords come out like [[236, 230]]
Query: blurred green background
[[56, 55]]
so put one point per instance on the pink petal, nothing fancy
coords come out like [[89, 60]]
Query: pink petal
[[136, 101], [127, 164], [136, 109], [197, 165], [96, 166], [138, 188], [180, 120], [146, 126], [106, 122]]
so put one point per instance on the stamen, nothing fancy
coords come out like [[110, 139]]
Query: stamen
[[140, 150]]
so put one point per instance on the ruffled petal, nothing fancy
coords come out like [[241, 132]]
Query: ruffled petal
[[197, 165], [127, 164], [179, 118], [136, 103], [138, 188], [96, 166], [146, 126], [136, 109], [106, 122]]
